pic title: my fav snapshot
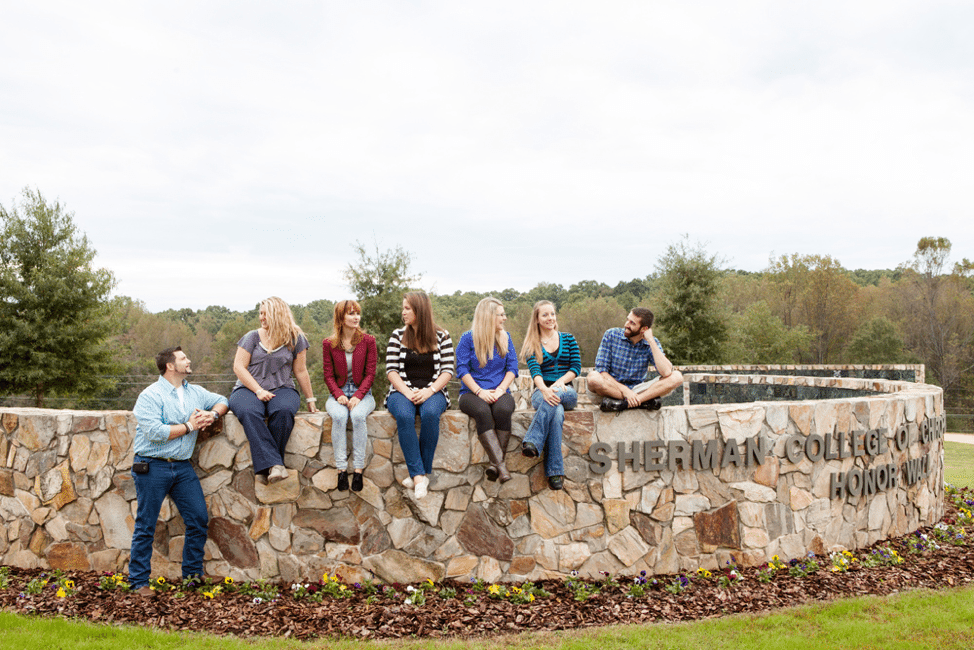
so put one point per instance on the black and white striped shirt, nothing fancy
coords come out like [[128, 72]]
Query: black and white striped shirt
[[443, 358]]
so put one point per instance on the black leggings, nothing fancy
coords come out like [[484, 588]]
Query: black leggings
[[495, 416]]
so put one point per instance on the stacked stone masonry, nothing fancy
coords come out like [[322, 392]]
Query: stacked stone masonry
[[67, 499]]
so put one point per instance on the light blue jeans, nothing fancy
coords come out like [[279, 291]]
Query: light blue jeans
[[545, 430], [360, 431]]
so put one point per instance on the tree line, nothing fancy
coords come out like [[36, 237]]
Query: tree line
[[803, 309]]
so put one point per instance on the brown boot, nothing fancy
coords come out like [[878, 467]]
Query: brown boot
[[498, 469], [502, 438]]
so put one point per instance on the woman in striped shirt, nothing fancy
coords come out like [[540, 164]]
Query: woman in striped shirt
[[419, 364], [554, 361]]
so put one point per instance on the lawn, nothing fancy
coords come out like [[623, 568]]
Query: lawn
[[959, 463], [915, 620]]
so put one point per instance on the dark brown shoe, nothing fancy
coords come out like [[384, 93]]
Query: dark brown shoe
[[498, 470], [145, 592]]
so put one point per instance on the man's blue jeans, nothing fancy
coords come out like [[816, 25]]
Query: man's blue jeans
[[545, 430], [178, 480], [417, 452]]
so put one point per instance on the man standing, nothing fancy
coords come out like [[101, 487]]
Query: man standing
[[170, 413], [625, 355]]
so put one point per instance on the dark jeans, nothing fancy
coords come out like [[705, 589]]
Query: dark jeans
[[488, 416], [418, 452], [267, 424], [178, 480]]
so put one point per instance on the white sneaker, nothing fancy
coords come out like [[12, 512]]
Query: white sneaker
[[408, 482], [277, 473], [422, 485]]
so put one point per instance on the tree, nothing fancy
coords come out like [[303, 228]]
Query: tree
[[937, 312], [761, 337], [587, 320], [689, 309], [877, 341], [54, 316], [815, 291], [379, 282]]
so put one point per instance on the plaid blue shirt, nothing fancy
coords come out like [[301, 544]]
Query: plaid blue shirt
[[158, 407], [625, 362]]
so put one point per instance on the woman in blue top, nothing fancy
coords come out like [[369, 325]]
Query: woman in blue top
[[554, 361], [486, 366]]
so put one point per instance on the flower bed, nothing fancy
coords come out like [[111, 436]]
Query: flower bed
[[937, 557]]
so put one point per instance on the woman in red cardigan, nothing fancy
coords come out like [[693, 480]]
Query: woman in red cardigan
[[351, 392]]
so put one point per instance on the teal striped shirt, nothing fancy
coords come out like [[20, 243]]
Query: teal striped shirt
[[552, 368]]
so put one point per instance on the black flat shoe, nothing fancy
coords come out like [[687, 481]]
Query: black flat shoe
[[612, 405], [556, 482], [357, 482], [528, 449], [342, 481], [651, 404]]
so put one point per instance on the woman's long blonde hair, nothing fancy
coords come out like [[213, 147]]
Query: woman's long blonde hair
[[532, 340], [342, 309], [281, 328], [485, 335]]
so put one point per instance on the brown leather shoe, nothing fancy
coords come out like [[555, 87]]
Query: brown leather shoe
[[145, 592]]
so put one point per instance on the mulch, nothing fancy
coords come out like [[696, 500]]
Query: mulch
[[473, 612]]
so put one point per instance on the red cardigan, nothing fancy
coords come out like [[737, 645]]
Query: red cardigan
[[364, 359]]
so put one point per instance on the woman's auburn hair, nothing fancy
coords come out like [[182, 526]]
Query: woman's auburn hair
[[421, 335], [485, 336], [281, 327], [342, 309], [532, 340]]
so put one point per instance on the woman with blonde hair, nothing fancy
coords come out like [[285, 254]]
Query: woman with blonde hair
[[419, 364], [554, 361], [348, 359], [486, 366], [267, 362]]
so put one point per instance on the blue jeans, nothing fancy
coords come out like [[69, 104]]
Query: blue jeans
[[178, 480], [545, 430], [418, 452], [360, 431], [267, 438]]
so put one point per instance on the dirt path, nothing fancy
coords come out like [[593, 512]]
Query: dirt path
[[960, 437]]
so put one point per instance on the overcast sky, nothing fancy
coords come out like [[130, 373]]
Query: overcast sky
[[222, 152]]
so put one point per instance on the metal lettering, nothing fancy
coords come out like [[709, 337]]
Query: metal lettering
[[902, 437], [601, 462], [705, 457], [652, 455], [754, 451], [793, 450], [678, 450], [625, 456], [731, 454]]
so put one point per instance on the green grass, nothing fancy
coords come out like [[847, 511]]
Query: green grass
[[959, 463], [923, 619]]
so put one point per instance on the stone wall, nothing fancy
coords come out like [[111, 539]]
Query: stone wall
[[67, 499]]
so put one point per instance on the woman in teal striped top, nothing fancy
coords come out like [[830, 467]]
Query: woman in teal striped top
[[554, 361]]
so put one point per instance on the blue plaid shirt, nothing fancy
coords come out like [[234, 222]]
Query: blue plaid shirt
[[158, 407], [625, 362]]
